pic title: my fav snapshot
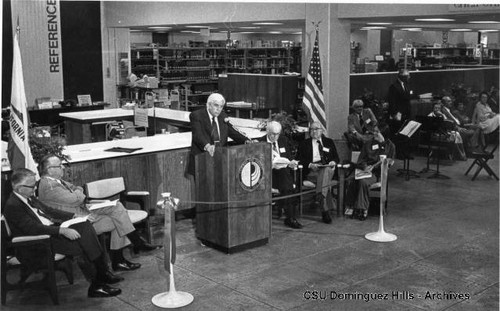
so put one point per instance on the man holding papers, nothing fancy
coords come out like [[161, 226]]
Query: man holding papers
[[282, 175], [62, 195], [27, 216], [318, 156]]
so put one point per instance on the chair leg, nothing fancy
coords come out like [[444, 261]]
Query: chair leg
[[52, 278], [470, 167]]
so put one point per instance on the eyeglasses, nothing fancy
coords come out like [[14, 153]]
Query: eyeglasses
[[316, 129], [58, 166]]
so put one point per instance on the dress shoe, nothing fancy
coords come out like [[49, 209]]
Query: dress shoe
[[125, 265], [293, 223], [145, 247], [110, 278], [102, 291], [325, 216]]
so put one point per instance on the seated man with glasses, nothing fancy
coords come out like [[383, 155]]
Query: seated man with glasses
[[27, 216], [60, 194], [362, 125], [318, 156]]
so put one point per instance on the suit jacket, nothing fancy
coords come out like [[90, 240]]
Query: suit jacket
[[285, 148], [23, 221], [369, 121], [62, 196], [305, 153], [399, 100], [201, 128]]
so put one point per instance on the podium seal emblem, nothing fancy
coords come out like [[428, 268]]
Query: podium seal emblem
[[250, 174]]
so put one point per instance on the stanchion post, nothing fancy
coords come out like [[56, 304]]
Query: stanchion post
[[381, 235], [172, 298]]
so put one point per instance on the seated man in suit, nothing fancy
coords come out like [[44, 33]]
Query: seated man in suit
[[314, 154], [27, 216], [282, 178], [361, 125], [62, 195]]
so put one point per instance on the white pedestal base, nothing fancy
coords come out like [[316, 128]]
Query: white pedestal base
[[172, 299], [381, 236]]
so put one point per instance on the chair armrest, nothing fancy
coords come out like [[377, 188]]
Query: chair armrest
[[137, 193], [29, 238]]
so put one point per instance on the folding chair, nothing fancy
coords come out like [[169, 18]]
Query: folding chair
[[481, 161]]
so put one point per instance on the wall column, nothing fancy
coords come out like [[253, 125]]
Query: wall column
[[334, 45]]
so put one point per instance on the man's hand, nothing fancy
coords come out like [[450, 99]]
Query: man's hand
[[210, 149], [69, 233], [332, 164], [293, 164], [313, 166]]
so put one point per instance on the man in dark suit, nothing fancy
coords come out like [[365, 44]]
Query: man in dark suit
[[314, 154], [282, 176], [399, 96], [28, 216], [210, 128], [361, 125]]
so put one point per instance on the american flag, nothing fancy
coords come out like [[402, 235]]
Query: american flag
[[313, 101]]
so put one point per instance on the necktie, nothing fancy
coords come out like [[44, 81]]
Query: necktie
[[275, 148], [215, 132], [321, 152]]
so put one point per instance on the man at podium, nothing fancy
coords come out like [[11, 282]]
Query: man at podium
[[282, 178], [210, 128]]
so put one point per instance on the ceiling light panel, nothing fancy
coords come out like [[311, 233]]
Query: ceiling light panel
[[267, 23], [434, 20], [484, 22]]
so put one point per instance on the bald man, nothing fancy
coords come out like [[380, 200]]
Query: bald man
[[210, 128], [282, 178]]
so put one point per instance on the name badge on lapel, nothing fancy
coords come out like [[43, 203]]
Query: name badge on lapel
[[367, 121], [375, 147], [326, 149], [282, 150]]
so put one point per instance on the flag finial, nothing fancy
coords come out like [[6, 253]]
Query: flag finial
[[316, 25]]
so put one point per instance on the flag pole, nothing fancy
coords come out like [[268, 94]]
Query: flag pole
[[172, 298]]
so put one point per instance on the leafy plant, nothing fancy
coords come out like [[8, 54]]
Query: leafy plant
[[42, 143]]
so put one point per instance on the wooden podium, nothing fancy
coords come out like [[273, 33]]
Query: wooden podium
[[238, 179]]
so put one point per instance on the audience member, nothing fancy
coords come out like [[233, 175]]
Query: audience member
[[471, 135], [27, 216], [318, 156], [361, 125], [357, 198], [62, 195], [449, 135], [282, 175], [483, 116]]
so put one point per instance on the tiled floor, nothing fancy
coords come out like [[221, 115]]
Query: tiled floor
[[448, 245]]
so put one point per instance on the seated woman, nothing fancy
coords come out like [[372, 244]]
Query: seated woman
[[483, 116], [449, 136], [357, 198]]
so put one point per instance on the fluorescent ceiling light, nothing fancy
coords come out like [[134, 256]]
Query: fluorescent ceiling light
[[267, 23], [159, 27], [373, 28], [379, 23], [189, 31], [275, 32], [196, 26], [461, 29], [434, 20], [412, 29], [489, 30], [484, 22], [246, 32], [249, 27]]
